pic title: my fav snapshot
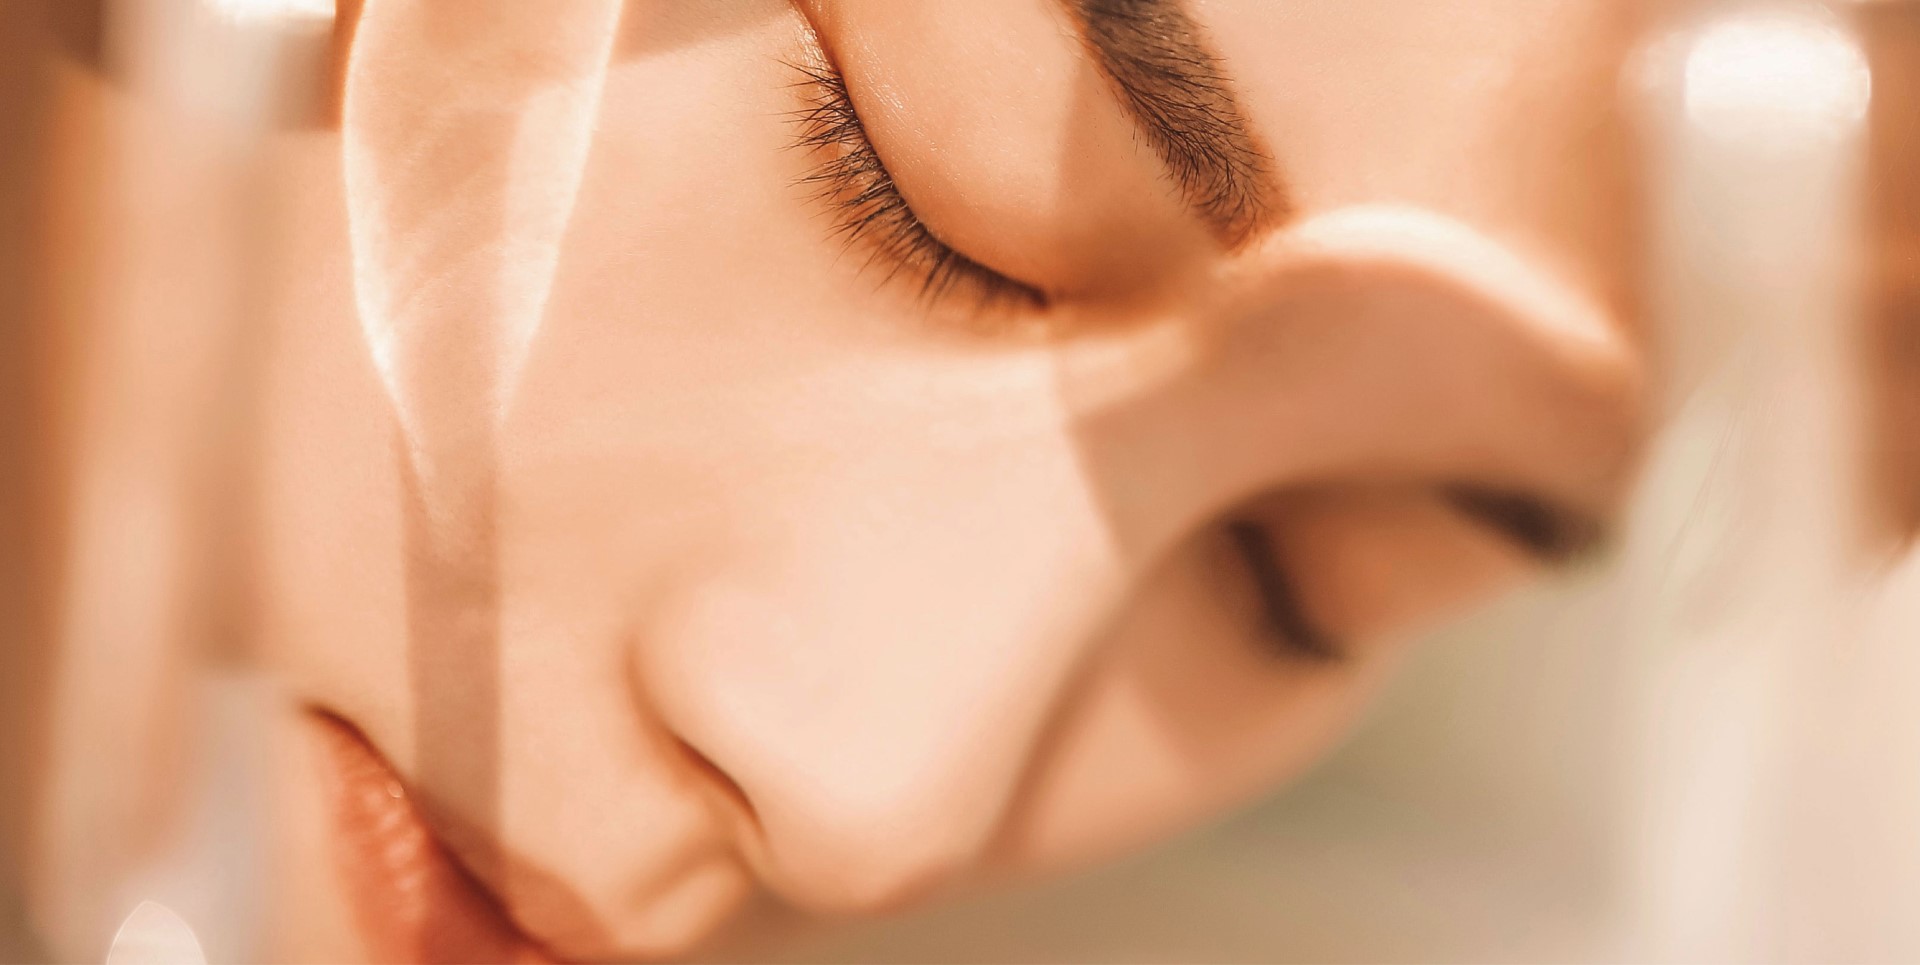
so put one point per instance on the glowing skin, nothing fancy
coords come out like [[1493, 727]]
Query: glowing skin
[[792, 581]]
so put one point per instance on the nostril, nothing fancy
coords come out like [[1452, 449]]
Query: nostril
[[840, 799], [869, 871], [718, 782]]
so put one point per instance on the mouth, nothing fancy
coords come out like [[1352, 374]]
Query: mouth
[[411, 900]]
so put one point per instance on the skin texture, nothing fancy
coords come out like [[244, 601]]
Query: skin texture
[[793, 581]]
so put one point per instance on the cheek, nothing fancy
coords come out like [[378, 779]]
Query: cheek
[[1185, 714]]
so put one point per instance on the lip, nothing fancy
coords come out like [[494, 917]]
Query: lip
[[410, 899]]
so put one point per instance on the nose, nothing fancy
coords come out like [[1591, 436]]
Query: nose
[[876, 703]]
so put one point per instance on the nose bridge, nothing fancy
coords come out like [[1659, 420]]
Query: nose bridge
[[1368, 341], [875, 686]]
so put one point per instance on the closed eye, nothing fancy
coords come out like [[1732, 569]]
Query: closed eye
[[1548, 533], [1544, 532], [870, 212], [1288, 628]]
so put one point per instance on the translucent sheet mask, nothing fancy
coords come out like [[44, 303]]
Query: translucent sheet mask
[[499, 98]]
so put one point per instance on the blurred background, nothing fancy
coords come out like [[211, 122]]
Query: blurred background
[[1705, 746]]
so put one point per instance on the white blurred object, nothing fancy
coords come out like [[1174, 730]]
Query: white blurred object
[[1778, 77], [213, 867], [1745, 837], [321, 10], [154, 935], [239, 66], [148, 759]]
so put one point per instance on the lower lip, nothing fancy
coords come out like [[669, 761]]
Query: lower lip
[[411, 901]]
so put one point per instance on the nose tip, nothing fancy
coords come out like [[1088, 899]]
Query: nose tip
[[866, 849], [854, 854], [849, 809], [873, 731]]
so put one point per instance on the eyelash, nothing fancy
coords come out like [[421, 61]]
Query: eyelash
[[869, 210], [1289, 629]]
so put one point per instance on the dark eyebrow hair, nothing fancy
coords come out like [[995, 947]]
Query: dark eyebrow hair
[[1172, 84]]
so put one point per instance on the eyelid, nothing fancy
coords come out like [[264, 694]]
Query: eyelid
[[856, 185]]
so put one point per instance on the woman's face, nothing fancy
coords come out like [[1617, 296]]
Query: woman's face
[[961, 440]]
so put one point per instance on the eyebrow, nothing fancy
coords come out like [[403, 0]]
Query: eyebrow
[[1174, 87]]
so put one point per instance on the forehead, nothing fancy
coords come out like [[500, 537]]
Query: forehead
[[1503, 113]]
